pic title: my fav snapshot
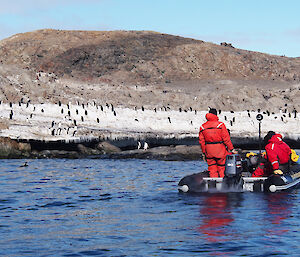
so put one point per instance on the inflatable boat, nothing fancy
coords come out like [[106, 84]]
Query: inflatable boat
[[238, 179]]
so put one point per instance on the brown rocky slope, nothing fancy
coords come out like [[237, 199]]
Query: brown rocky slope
[[171, 70]]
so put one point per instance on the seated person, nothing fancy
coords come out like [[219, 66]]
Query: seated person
[[277, 157]]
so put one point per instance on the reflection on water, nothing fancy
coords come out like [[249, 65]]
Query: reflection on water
[[132, 208], [279, 209], [216, 214]]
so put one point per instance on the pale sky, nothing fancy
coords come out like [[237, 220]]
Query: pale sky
[[269, 26]]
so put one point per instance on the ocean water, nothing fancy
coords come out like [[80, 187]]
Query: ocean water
[[132, 208]]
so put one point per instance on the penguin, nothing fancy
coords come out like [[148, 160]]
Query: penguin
[[82, 118], [146, 146], [180, 110], [115, 114], [62, 111], [101, 107], [136, 120], [143, 109], [139, 145], [25, 164], [98, 120], [75, 123], [59, 103], [86, 113], [169, 119], [77, 112]]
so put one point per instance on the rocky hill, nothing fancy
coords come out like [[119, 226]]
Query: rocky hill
[[141, 56], [77, 86], [130, 68]]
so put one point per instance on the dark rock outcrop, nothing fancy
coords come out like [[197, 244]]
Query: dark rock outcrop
[[167, 153], [107, 148], [52, 154], [12, 149], [86, 151]]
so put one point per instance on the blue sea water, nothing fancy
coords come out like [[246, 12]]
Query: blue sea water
[[132, 208]]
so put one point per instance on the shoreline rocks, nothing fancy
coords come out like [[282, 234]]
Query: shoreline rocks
[[166, 153], [11, 149], [177, 151]]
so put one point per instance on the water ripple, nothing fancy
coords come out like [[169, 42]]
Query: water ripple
[[132, 208]]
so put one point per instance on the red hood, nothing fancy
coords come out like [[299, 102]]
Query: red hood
[[277, 138], [211, 117]]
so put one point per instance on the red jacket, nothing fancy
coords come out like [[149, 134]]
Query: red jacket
[[214, 138], [277, 151]]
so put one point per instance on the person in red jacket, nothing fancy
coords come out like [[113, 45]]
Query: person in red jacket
[[277, 157], [215, 143]]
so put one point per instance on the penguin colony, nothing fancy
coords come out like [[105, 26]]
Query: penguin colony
[[71, 120]]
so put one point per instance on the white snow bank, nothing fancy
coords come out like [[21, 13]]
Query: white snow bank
[[71, 122]]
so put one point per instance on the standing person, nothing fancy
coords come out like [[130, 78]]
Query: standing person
[[215, 143], [277, 157]]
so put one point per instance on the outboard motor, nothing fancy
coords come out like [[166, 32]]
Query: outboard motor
[[233, 172]]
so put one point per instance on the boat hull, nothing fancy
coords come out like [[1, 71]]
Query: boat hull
[[201, 182]]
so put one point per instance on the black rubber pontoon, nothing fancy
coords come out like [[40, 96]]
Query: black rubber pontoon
[[238, 180]]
